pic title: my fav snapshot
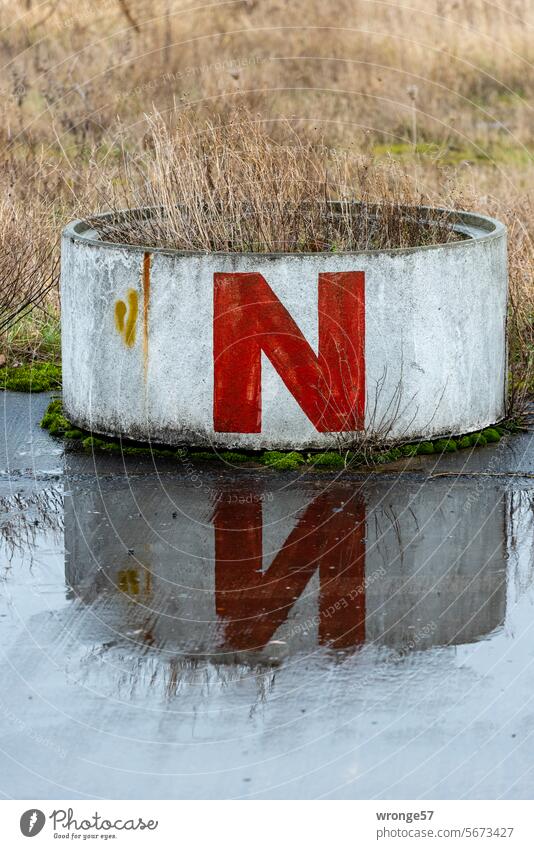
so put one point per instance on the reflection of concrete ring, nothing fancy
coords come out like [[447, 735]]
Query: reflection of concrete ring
[[287, 575], [419, 336]]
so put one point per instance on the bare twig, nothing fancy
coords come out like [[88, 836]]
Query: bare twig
[[128, 15]]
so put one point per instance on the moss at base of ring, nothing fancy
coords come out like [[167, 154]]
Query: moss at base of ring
[[57, 425]]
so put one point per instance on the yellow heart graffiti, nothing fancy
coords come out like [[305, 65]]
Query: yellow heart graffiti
[[126, 317]]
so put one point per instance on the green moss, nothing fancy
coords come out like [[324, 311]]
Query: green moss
[[94, 443], [443, 446], [58, 425], [477, 439], [379, 459], [139, 450], [134, 450], [269, 457], [234, 457], [330, 459], [286, 463], [451, 444], [388, 456], [32, 377], [425, 448], [91, 443], [274, 458], [355, 458], [54, 421], [54, 408]]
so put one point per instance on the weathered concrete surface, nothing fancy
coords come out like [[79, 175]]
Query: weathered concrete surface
[[434, 339], [130, 670]]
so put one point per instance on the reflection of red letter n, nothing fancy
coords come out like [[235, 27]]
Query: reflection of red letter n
[[328, 386]]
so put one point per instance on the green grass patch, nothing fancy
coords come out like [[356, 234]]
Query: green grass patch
[[36, 336], [492, 154]]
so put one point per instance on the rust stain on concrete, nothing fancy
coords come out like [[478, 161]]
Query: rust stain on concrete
[[147, 259]]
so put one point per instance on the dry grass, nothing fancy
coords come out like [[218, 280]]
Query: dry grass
[[366, 66], [444, 87], [29, 258], [215, 186], [520, 218]]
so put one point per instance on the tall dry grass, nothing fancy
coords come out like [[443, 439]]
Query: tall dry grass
[[450, 72], [218, 186], [29, 255], [443, 86]]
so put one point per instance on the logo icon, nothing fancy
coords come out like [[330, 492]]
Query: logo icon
[[32, 822]]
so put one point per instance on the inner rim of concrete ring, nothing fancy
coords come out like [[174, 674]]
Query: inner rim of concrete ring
[[474, 226]]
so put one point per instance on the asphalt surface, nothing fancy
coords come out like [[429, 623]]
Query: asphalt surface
[[182, 631]]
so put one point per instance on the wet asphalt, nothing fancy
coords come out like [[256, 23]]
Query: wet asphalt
[[177, 630]]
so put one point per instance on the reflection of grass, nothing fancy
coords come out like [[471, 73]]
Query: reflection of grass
[[23, 516]]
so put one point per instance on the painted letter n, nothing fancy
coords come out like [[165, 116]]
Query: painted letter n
[[329, 386]]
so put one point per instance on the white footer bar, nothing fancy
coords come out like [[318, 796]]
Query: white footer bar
[[268, 824]]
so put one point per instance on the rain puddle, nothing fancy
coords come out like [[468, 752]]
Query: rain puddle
[[232, 636]]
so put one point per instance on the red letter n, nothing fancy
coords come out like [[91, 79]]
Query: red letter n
[[249, 319]]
